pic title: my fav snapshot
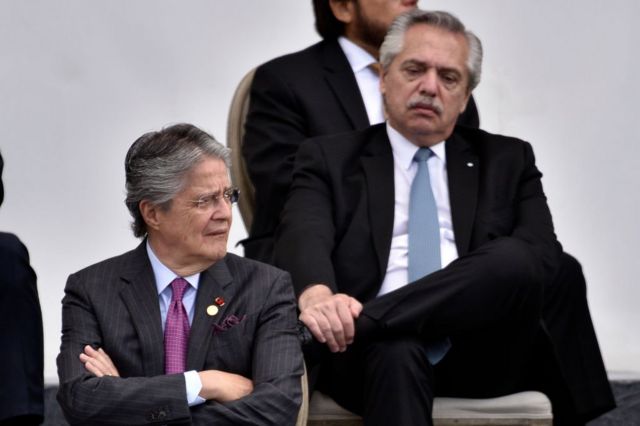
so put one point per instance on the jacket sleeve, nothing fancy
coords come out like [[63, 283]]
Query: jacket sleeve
[[86, 399], [534, 224], [305, 237], [276, 364]]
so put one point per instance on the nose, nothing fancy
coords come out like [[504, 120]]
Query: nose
[[222, 210], [429, 83]]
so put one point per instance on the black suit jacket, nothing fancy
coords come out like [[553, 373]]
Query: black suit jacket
[[114, 305], [21, 341], [336, 227], [301, 95]]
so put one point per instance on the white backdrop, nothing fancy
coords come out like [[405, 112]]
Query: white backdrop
[[80, 80]]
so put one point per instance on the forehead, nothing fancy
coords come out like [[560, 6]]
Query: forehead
[[434, 46], [209, 172]]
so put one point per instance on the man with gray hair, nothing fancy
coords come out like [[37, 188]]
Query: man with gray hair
[[178, 331], [423, 253]]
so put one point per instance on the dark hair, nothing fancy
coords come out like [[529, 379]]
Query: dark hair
[[326, 23], [158, 162]]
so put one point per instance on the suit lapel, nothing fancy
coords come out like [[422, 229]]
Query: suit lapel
[[463, 168], [378, 171], [214, 283], [141, 298], [340, 77]]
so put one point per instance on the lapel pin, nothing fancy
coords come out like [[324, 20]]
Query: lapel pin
[[469, 164], [212, 310], [219, 301]]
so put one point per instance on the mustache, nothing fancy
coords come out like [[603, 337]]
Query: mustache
[[423, 101]]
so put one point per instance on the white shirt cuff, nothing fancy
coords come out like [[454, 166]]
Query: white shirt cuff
[[194, 386]]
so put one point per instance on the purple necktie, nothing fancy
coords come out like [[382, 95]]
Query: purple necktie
[[176, 330]]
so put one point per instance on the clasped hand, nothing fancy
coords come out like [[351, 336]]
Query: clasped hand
[[330, 317]]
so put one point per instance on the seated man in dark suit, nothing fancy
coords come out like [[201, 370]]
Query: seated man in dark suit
[[330, 87], [177, 330], [423, 253], [21, 356]]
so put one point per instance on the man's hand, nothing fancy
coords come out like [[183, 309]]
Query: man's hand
[[223, 387], [98, 362], [330, 317]]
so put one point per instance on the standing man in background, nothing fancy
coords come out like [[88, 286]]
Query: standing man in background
[[21, 340], [330, 87]]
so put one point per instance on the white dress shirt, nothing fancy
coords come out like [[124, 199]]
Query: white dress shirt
[[404, 170], [368, 80], [163, 277]]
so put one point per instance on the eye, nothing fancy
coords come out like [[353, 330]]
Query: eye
[[450, 78], [204, 202], [413, 70]]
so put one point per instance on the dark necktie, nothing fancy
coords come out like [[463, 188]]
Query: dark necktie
[[424, 238], [176, 331]]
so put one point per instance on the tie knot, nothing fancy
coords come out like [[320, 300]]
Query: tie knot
[[178, 286], [423, 154]]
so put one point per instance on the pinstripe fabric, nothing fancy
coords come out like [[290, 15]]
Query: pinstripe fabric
[[114, 305]]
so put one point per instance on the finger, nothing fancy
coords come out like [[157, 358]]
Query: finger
[[313, 326], [93, 369], [355, 307], [331, 327], [84, 358], [348, 325], [100, 360], [104, 354], [340, 316], [112, 370]]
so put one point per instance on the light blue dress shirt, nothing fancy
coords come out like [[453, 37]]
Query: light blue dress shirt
[[163, 278]]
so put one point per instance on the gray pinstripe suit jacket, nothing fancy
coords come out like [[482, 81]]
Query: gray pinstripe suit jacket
[[114, 305]]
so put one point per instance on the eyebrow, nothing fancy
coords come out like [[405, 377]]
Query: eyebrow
[[428, 65]]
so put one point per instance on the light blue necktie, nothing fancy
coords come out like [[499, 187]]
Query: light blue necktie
[[424, 238]]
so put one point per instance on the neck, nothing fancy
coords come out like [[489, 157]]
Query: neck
[[372, 50], [181, 267]]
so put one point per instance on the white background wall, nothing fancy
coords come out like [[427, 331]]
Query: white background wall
[[80, 80]]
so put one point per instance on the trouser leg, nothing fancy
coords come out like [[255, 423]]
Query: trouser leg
[[388, 382], [485, 287], [574, 345]]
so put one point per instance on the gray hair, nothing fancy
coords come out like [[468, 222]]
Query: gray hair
[[157, 163], [393, 42]]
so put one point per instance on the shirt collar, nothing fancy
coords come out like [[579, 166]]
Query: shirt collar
[[164, 276], [358, 58], [404, 150]]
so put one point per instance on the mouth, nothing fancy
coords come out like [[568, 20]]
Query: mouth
[[217, 232], [425, 109]]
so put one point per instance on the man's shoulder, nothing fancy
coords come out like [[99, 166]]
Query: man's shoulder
[[11, 246], [352, 143], [257, 279], [482, 140], [116, 263], [309, 58], [248, 269]]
